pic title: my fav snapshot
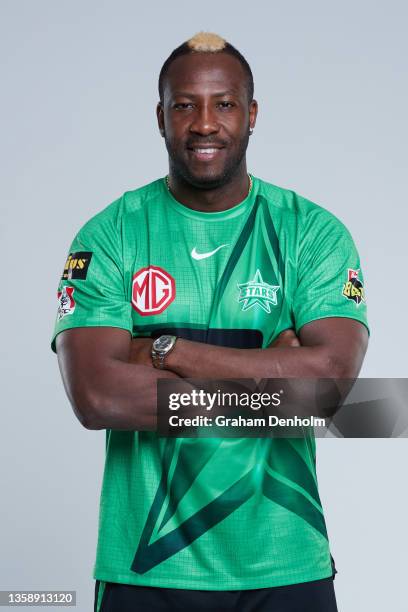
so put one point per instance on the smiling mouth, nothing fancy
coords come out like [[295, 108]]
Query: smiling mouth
[[205, 153]]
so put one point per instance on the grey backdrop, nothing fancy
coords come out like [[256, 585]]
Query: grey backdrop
[[78, 129]]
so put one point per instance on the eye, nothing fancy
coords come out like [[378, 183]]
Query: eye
[[183, 105], [225, 104]]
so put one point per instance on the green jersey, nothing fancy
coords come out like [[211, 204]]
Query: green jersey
[[218, 513]]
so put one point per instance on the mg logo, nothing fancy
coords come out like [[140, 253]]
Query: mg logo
[[153, 290]]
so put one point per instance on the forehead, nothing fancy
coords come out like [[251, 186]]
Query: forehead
[[201, 73]]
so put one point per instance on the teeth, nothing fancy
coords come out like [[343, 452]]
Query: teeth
[[208, 151]]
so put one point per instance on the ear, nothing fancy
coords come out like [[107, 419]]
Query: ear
[[160, 117], [253, 113]]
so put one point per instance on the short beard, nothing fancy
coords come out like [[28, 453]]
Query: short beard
[[180, 170]]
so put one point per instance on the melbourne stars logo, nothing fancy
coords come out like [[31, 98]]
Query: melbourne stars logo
[[257, 292]]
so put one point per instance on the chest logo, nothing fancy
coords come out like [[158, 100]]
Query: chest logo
[[153, 290], [198, 256], [257, 293]]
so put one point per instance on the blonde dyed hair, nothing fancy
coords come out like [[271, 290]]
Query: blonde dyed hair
[[207, 42]]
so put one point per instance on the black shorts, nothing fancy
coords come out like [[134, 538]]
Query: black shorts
[[316, 596]]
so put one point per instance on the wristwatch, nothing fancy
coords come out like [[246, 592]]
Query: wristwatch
[[160, 348]]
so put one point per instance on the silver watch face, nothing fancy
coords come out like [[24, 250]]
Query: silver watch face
[[163, 343]]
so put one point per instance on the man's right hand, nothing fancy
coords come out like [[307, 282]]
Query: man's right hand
[[287, 338]]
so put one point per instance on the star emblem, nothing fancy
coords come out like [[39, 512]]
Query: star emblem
[[177, 517], [257, 292]]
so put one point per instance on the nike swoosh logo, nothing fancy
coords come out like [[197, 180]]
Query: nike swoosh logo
[[196, 255]]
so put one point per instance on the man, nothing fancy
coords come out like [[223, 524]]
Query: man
[[209, 270]]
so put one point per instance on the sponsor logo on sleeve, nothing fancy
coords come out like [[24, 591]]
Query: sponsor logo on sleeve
[[66, 302], [153, 290], [353, 289], [76, 266]]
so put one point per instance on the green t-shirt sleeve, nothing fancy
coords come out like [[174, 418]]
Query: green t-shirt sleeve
[[91, 291], [330, 280]]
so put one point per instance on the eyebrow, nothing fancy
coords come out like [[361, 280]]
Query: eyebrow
[[218, 94]]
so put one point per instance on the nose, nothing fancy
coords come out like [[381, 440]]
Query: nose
[[204, 122]]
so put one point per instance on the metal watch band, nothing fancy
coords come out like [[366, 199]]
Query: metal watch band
[[158, 353], [158, 360]]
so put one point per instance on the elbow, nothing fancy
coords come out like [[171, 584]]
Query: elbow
[[88, 420], [88, 409], [339, 367]]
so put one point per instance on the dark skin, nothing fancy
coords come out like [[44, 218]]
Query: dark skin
[[327, 348], [119, 390], [205, 106], [208, 108]]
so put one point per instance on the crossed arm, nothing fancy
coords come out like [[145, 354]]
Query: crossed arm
[[111, 383]]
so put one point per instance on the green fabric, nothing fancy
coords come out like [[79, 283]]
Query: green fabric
[[101, 591], [211, 513]]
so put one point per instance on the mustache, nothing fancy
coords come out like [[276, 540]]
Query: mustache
[[207, 140]]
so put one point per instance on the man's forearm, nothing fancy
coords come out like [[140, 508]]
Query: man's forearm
[[126, 401], [197, 360], [305, 363], [333, 347], [114, 395]]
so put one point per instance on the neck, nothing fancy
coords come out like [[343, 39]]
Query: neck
[[211, 200]]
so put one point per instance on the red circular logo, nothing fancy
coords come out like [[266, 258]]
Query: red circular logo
[[153, 290]]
